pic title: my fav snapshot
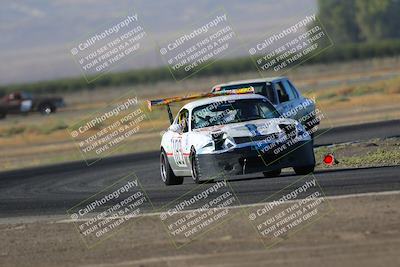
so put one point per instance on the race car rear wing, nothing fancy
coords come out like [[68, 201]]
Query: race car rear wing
[[167, 101]]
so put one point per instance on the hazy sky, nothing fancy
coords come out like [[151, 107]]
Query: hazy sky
[[36, 35]]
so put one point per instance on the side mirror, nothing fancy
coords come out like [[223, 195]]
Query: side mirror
[[177, 128]]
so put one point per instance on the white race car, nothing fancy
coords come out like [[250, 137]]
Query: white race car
[[234, 134]]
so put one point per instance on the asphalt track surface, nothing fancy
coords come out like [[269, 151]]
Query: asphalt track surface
[[52, 190]]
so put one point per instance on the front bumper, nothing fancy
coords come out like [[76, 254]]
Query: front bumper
[[246, 160]]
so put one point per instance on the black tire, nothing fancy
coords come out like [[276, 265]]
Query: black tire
[[47, 108], [194, 162], [3, 115], [167, 175], [304, 170], [274, 173]]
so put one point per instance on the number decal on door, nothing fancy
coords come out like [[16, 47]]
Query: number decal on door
[[177, 152]]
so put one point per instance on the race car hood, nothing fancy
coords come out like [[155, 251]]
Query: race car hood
[[248, 128]]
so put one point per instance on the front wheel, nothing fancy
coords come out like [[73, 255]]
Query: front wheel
[[167, 175], [304, 170]]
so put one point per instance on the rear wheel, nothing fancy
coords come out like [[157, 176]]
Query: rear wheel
[[304, 170], [274, 173], [47, 109], [195, 166], [167, 175]]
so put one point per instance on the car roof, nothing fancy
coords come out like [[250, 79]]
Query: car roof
[[216, 99], [260, 80]]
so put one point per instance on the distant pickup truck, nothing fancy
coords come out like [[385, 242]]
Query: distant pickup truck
[[283, 95], [24, 102]]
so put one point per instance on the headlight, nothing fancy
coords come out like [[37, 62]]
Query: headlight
[[208, 145], [222, 140], [219, 139], [301, 130], [218, 135]]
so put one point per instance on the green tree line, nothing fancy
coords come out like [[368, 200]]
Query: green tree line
[[360, 20], [342, 52]]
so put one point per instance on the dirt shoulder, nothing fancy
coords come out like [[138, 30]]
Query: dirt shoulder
[[361, 231], [368, 153]]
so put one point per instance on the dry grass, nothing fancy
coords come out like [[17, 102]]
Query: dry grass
[[40, 140], [344, 93]]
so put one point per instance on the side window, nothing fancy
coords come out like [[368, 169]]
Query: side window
[[183, 120], [269, 92], [289, 90], [294, 89], [281, 92], [259, 89]]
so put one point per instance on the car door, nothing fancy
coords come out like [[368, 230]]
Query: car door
[[26, 102], [179, 141], [14, 102]]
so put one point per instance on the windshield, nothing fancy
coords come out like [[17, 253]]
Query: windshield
[[26, 95], [231, 112]]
